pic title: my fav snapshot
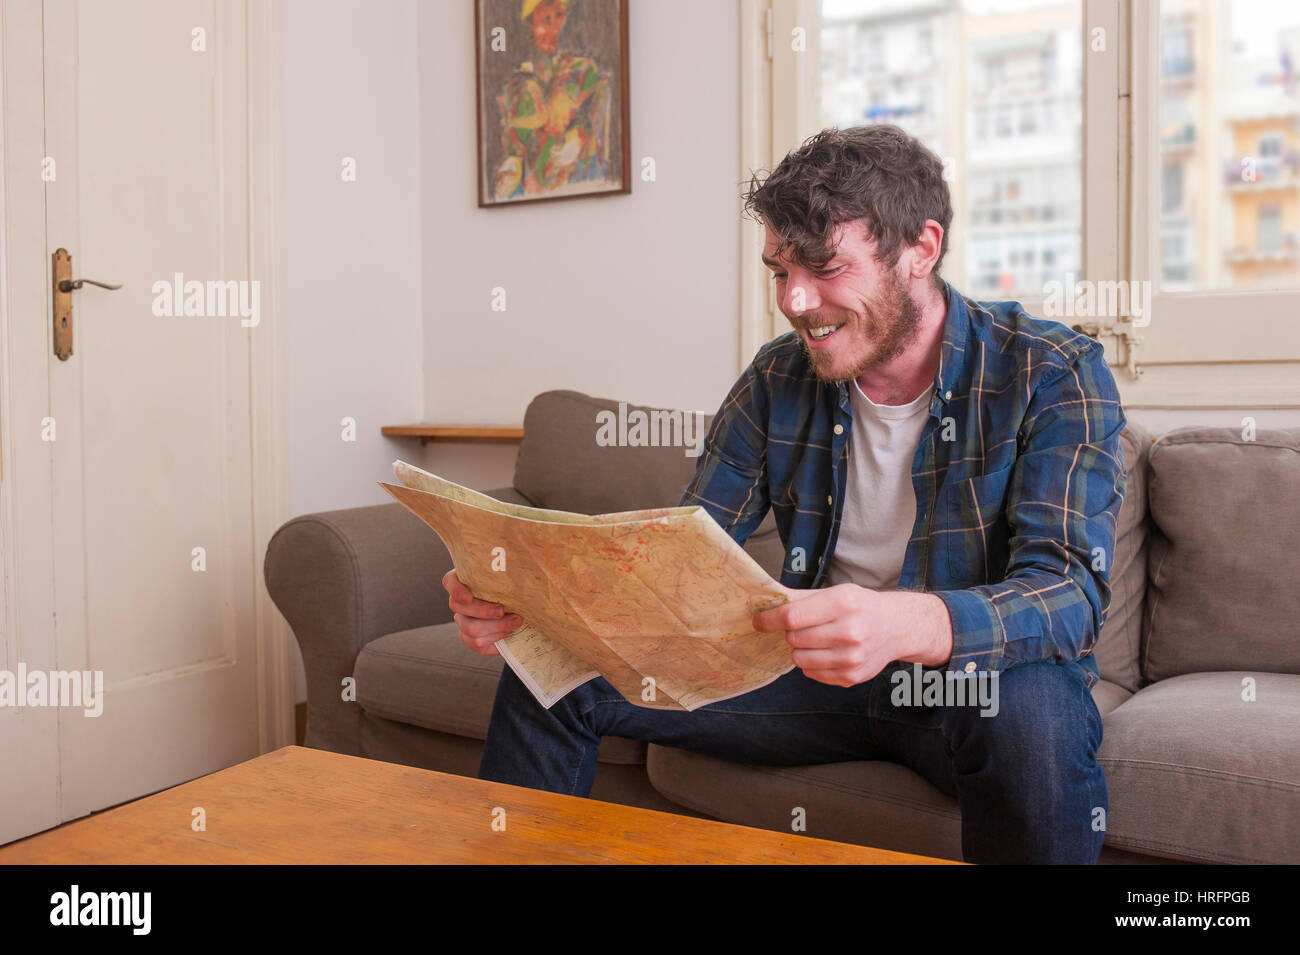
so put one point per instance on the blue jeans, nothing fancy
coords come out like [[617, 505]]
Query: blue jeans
[[1026, 779]]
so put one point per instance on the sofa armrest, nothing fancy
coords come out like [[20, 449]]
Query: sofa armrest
[[343, 578]]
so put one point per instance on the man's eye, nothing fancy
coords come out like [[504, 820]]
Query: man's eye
[[827, 273], [779, 276]]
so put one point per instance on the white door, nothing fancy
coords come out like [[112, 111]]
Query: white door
[[131, 548]]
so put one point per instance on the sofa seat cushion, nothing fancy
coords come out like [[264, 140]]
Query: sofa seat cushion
[[427, 677], [1196, 772]]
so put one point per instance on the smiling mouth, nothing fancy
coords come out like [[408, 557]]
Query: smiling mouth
[[822, 332]]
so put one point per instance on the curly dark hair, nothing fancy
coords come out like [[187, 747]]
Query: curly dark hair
[[875, 173]]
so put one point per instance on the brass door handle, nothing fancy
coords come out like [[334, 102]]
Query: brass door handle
[[64, 286], [68, 286]]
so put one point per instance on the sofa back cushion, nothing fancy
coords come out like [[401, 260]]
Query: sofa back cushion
[[564, 462], [1120, 642], [1223, 590]]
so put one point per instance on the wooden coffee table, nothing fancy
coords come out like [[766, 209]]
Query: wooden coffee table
[[298, 805]]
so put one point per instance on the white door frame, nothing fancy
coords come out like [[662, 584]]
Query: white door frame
[[270, 355]]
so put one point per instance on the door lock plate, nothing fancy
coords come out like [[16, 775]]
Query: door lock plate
[[62, 305]]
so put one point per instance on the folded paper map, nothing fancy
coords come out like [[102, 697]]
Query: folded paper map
[[659, 602]]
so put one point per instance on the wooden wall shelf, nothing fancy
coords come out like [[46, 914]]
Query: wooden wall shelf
[[432, 432]]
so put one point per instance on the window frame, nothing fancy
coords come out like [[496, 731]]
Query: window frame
[[1160, 362]]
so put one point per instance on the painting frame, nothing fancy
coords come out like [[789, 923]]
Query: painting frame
[[594, 149]]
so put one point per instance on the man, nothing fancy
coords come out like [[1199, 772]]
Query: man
[[946, 477]]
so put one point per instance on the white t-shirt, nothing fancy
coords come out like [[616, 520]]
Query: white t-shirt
[[880, 503]]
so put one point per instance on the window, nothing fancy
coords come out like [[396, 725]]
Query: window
[[1176, 49], [1002, 122], [1217, 240], [1269, 231], [1233, 120], [924, 42], [875, 44], [1172, 187], [1003, 73], [1188, 138], [1028, 119]]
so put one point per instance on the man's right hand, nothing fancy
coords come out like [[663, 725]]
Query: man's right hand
[[481, 623]]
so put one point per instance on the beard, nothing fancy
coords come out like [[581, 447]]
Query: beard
[[892, 322]]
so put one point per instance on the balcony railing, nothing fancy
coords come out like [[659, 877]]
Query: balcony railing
[[1244, 172], [1287, 249]]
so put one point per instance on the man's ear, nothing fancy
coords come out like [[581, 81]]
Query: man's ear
[[925, 251]]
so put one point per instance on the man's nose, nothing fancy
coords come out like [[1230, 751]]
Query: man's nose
[[800, 297]]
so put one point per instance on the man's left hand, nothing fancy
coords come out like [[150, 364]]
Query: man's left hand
[[846, 634]]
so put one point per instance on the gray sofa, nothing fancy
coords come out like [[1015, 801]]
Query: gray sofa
[[1200, 655]]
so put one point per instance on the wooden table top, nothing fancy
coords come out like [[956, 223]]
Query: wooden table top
[[298, 805]]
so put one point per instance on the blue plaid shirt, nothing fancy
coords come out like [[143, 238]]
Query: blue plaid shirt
[[1019, 477]]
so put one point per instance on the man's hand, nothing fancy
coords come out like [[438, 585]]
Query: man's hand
[[845, 635], [480, 623]]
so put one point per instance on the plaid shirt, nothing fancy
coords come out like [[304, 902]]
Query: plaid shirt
[[1019, 477]]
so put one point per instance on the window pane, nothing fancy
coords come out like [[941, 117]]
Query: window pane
[[1015, 172], [1229, 144]]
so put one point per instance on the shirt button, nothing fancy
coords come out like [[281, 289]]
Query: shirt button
[[839, 429], [829, 499], [970, 667], [947, 396]]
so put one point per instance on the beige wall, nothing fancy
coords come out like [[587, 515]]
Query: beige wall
[[352, 248], [1159, 420], [630, 297]]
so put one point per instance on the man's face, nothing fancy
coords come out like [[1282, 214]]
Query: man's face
[[867, 308], [546, 22]]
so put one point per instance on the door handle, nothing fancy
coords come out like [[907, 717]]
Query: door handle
[[64, 286], [68, 286]]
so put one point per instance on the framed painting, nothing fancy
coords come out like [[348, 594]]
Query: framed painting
[[552, 99]]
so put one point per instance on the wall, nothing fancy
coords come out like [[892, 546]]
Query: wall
[[353, 248], [1159, 420], [631, 297]]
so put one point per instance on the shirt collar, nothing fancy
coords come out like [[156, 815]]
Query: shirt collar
[[952, 353], [954, 350]]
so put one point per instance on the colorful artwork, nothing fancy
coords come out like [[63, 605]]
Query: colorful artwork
[[552, 99]]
